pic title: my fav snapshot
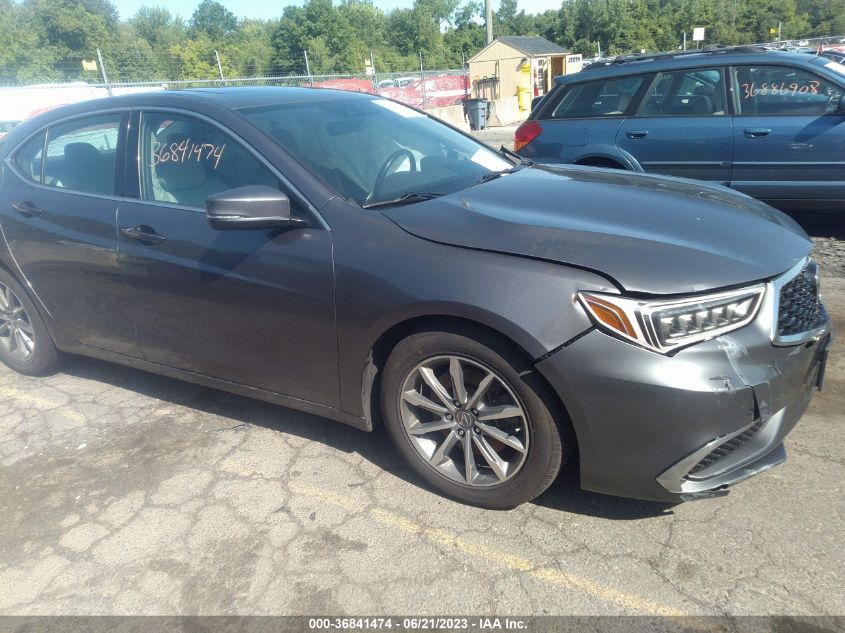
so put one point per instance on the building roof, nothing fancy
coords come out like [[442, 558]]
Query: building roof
[[533, 46]]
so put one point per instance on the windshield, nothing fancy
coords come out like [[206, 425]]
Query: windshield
[[373, 150]]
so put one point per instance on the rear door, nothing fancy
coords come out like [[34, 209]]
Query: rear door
[[58, 204], [789, 139], [581, 120], [682, 127], [253, 307]]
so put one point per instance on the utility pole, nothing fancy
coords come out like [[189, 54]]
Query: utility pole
[[103, 71], [219, 65], [308, 69], [685, 40], [375, 77], [488, 19], [422, 77], [780, 24]]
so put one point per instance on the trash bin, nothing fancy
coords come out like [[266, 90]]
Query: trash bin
[[477, 113], [523, 95]]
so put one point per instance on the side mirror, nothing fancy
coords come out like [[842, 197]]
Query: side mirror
[[251, 207], [535, 102], [841, 107]]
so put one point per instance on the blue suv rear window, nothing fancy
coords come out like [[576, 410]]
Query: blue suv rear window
[[605, 98]]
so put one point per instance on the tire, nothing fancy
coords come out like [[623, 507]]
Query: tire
[[436, 454], [31, 351]]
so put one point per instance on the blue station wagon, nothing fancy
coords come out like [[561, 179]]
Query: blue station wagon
[[766, 123]]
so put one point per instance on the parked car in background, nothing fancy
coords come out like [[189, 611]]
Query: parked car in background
[[834, 54], [6, 127], [346, 255], [766, 123]]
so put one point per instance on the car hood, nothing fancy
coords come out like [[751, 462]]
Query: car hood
[[648, 234]]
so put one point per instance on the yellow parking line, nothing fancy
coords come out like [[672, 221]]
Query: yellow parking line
[[511, 561], [41, 403]]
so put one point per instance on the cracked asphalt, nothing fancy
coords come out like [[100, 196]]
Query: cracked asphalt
[[122, 492]]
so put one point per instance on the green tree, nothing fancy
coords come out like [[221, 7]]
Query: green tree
[[46, 40], [367, 22], [249, 50], [130, 57], [467, 37], [214, 20], [510, 20], [194, 59], [325, 32], [23, 59], [158, 27]]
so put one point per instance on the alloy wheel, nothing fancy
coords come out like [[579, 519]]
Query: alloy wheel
[[464, 420], [16, 333]]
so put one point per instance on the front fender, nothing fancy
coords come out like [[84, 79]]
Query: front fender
[[386, 277]]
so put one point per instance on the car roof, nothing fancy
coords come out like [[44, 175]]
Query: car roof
[[655, 62], [199, 99]]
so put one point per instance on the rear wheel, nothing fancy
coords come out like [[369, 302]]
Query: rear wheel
[[25, 344], [468, 420]]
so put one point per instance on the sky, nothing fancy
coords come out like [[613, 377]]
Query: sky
[[266, 10]]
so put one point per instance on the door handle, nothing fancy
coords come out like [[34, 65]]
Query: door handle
[[143, 234], [27, 209], [757, 132], [636, 133]]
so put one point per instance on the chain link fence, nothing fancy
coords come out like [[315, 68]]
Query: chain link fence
[[427, 89]]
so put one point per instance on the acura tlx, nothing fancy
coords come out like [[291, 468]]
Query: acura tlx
[[348, 256]]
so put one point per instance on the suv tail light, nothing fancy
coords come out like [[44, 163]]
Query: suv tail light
[[525, 133]]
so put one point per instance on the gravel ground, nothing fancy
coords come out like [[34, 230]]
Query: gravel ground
[[830, 253], [828, 232]]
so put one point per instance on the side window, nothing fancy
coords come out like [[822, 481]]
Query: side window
[[81, 154], [185, 160], [783, 90], [698, 92], [612, 97], [28, 158]]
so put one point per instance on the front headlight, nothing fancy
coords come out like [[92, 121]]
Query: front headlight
[[664, 326]]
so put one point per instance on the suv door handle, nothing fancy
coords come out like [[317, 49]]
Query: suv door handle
[[143, 234], [636, 133], [27, 209], [757, 132]]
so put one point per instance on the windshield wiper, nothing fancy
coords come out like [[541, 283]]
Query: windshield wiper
[[523, 162], [495, 174], [509, 152], [405, 198]]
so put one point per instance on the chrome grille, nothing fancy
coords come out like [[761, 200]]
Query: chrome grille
[[726, 448], [800, 309]]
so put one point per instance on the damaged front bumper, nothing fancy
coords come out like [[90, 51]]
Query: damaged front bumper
[[680, 427]]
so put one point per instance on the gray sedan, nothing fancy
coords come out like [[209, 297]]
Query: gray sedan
[[345, 255]]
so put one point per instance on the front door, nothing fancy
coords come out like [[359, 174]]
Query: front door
[[253, 307], [789, 141], [58, 211], [682, 128]]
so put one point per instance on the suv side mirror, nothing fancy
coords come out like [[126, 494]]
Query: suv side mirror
[[841, 107], [251, 207]]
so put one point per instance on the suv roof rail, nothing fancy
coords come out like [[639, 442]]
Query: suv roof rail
[[709, 49]]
